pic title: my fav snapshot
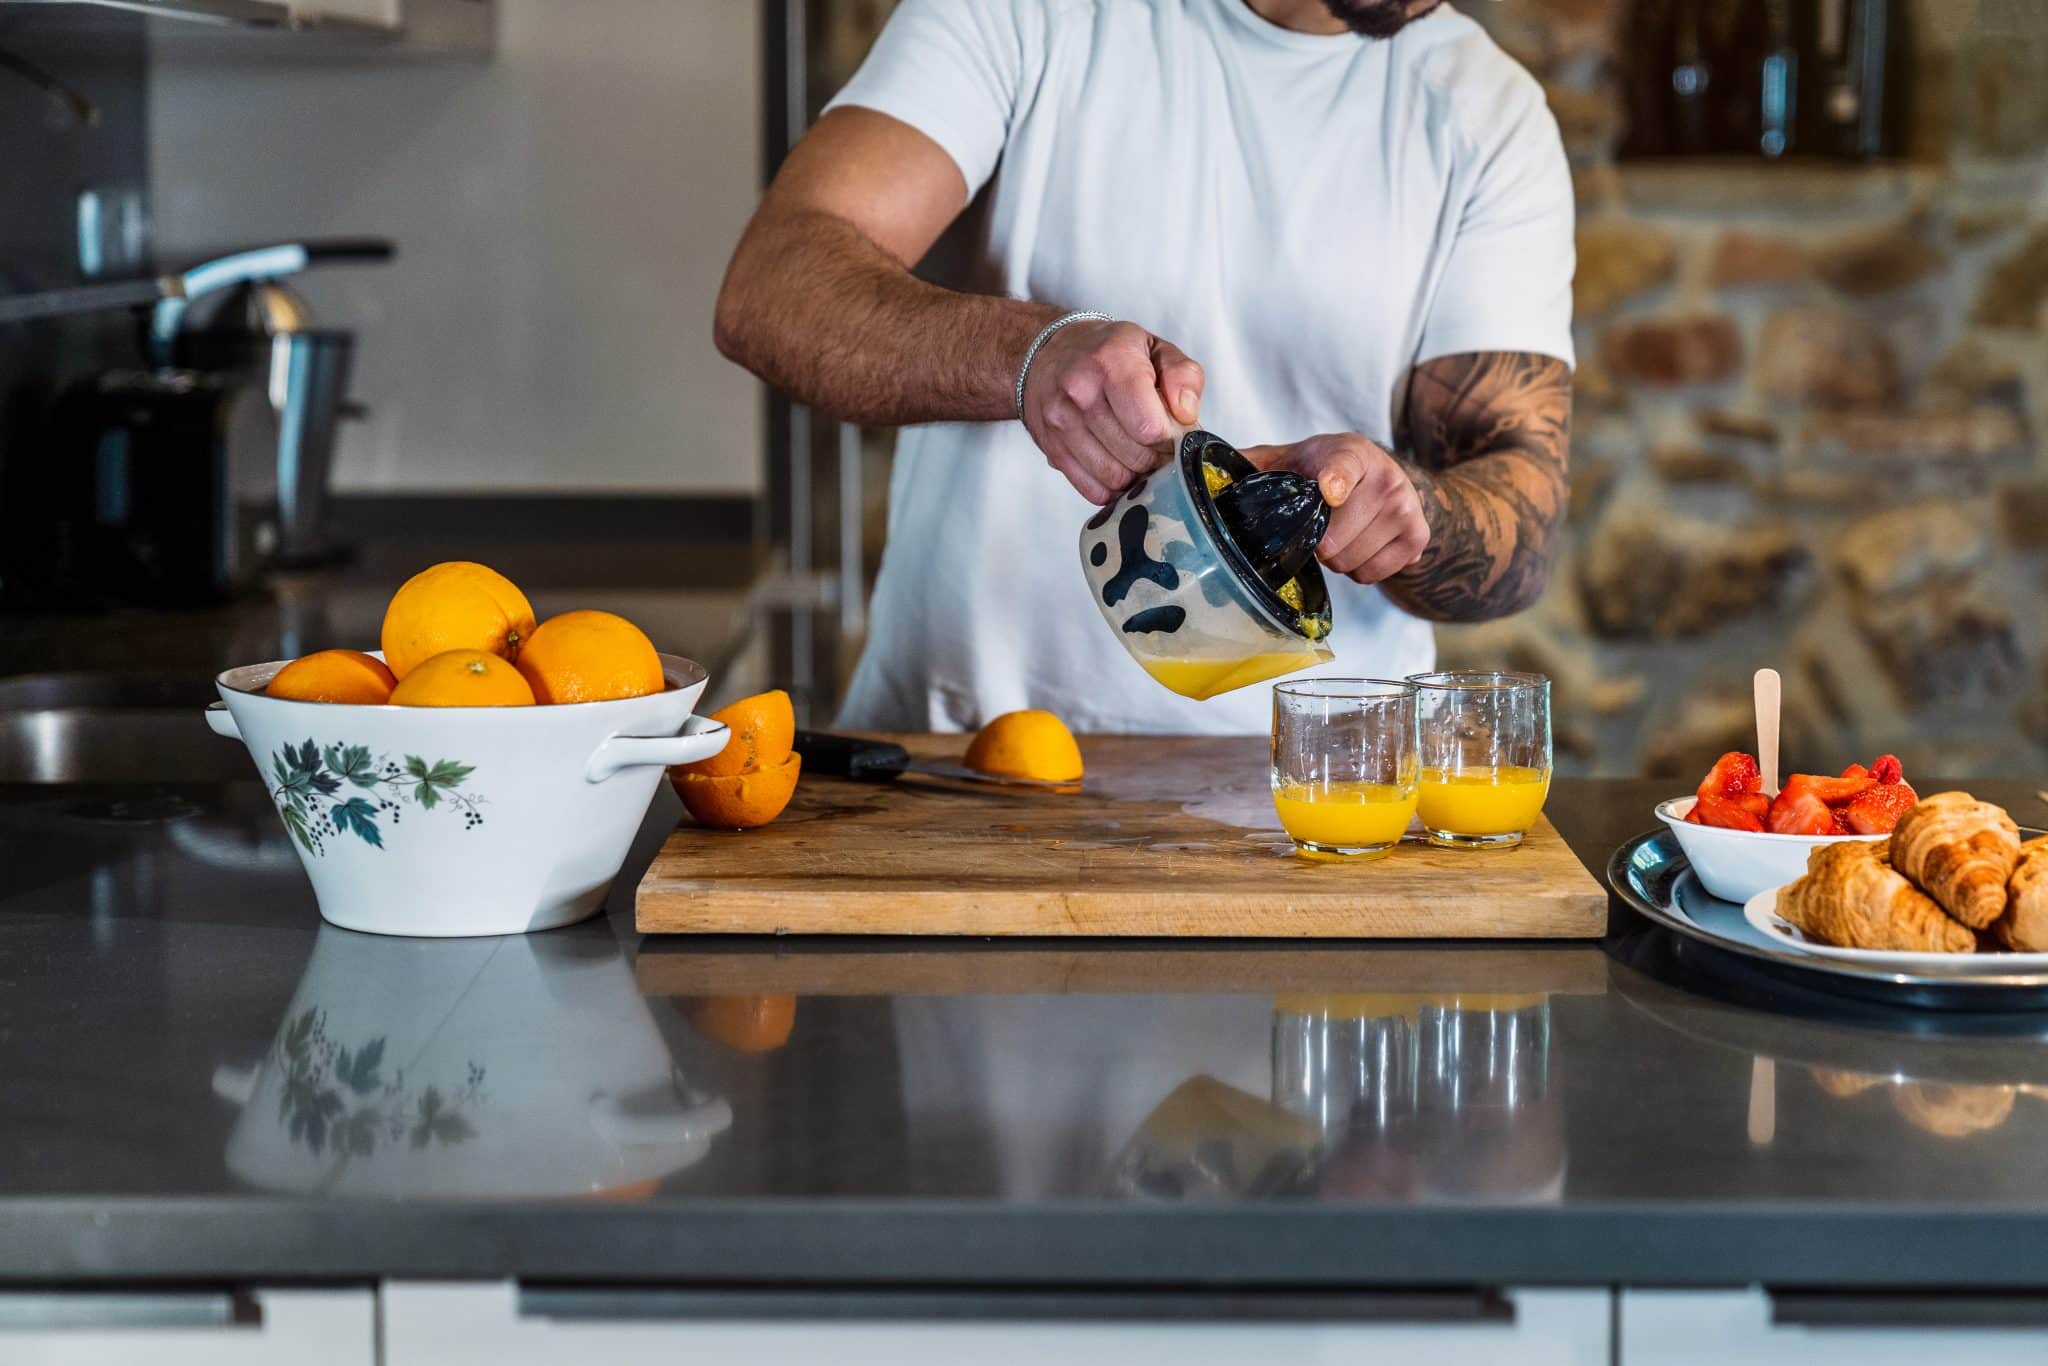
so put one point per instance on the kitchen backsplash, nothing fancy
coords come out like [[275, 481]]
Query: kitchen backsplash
[[562, 211]]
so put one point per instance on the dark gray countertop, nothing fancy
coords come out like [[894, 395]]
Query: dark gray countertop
[[178, 1034]]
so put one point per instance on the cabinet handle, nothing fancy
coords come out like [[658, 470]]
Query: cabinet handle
[[1887, 1309], [50, 1310], [1453, 1306]]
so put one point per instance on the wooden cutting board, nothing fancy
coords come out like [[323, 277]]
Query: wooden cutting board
[[1169, 836]]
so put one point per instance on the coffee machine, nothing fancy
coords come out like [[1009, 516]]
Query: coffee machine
[[184, 481]]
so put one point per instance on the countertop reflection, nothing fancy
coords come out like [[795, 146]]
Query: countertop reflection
[[203, 1079]]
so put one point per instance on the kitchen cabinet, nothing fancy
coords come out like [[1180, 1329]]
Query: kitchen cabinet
[[92, 1328], [454, 1324], [1710, 1328]]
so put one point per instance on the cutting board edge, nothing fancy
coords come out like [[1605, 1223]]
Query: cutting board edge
[[1565, 915]]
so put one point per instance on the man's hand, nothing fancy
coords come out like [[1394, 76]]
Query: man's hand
[[1097, 403], [1377, 527]]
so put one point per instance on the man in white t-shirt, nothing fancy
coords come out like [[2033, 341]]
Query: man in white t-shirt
[[1338, 229]]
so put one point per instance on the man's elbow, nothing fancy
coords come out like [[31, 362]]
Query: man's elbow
[[1471, 598], [729, 318], [1519, 593]]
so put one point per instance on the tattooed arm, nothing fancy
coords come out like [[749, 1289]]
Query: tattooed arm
[[1485, 438], [1462, 524]]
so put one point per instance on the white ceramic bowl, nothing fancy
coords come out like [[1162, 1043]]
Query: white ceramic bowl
[[448, 821], [1737, 864]]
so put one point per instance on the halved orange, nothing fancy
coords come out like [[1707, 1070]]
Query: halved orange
[[763, 734], [738, 801], [1027, 744]]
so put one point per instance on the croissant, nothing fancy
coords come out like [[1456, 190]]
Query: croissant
[[1852, 896], [1842, 1085], [2025, 924], [1953, 1111], [1961, 851]]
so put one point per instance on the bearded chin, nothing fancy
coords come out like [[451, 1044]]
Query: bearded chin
[[1372, 18]]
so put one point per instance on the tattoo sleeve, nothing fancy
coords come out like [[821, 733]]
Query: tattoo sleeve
[[1484, 436]]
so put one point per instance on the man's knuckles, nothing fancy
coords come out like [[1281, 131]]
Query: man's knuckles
[[1082, 385]]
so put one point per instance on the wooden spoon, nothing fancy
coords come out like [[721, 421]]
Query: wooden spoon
[[1767, 700]]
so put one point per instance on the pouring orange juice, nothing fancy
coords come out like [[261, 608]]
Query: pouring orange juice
[[1485, 743], [1206, 570]]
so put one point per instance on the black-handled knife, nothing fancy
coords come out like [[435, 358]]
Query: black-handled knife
[[882, 761]]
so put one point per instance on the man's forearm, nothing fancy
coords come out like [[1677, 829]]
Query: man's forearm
[[1485, 444], [815, 308], [1491, 528]]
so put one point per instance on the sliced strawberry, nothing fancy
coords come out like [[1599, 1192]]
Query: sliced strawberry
[[1856, 771], [1755, 803], [1713, 810], [1888, 769], [1732, 774], [1833, 791], [1841, 814], [1798, 812], [1878, 810]]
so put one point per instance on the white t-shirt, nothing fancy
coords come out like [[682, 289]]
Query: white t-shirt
[[1308, 216]]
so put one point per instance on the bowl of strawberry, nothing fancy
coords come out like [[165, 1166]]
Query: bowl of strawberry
[[1742, 840]]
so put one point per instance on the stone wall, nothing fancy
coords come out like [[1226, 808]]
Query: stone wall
[[1810, 417]]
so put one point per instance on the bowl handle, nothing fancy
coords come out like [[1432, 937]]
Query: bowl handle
[[236, 1084], [223, 724], [685, 1124], [701, 738]]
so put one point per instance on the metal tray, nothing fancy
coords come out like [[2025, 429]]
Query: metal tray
[[1651, 874]]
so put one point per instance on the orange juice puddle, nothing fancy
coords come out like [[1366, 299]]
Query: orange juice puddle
[[1203, 679], [1337, 816], [1483, 801]]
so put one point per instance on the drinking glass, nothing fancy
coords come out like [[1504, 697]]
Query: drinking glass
[[1344, 763], [1485, 744]]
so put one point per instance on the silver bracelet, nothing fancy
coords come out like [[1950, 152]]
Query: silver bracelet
[[1031, 354]]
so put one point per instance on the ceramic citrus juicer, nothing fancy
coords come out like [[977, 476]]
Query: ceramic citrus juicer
[[1206, 570]]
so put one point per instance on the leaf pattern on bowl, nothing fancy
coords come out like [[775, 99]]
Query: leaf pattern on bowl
[[312, 791], [337, 1101]]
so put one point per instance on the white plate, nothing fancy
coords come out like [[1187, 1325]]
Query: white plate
[[1761, 911]]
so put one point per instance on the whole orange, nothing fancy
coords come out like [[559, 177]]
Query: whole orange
[[739, 801], [333, 676], [589, 657], [763, 734], [463, 678], [455, 605], [1027, 744]]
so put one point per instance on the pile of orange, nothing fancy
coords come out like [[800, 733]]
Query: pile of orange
[[748, 782], [460, 634]]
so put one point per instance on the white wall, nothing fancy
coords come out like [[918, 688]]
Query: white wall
[[563, 214]]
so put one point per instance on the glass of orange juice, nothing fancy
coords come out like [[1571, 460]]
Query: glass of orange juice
[[1344, 763], [1485, 743]]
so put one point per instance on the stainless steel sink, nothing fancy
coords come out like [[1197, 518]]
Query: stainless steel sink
[[112, 728]]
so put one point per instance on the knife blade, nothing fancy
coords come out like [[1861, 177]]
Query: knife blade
[[882, 761]]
